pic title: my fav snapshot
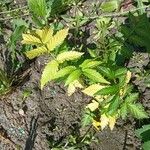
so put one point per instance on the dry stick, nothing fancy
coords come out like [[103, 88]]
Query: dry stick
[[14, 10], [119, 14], [9, 18], [94, 17]]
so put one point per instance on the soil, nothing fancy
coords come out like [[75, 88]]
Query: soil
[[51, 114]]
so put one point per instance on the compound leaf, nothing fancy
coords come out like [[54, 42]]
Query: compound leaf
[[57, 39]]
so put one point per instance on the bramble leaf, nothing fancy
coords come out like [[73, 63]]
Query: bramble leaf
[[94, 76], [89, 63], [73, 76], [92, 89], [57, 39], [30, 39], [137, 110], [66, 56], [49, 72], [64, 71], [38, 7], [44, 34], [108, 90], [36, 52], [72, 87]]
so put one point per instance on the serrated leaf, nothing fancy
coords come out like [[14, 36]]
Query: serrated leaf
[[96, 124], [108, 90], [49, 72], [64, 71], [107, 72], [109, 6], [143, 132], [137, 110], [70, 55], [146, 145], [114, 104], [45, 34], [119, 72], [73, 76], [87, 118], [123, 111], [38, 7], [72, 87], [57, 39], [93, 105], [112, 122], [128, 76], [132, 98], [36, 52], [94, 76], [30, 39], [89, 63], [92, 89], [104, 121]]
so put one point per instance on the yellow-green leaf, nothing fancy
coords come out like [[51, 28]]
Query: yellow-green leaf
[[72, 87], [65, 71], [57, 39], [128, 77], [94, 76], [104, 121], [45, 34], [96, 124], [112, 121], [92, 89], [36, 52], [30, 39], [109, 6], [89, 63], [49, 72], [93, 105], [66, 56], [73, 76]]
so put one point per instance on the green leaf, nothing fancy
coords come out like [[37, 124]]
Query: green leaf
[[123, 111], [65, 71], [108, 90], [38, 7], [87, 118], [49, 72], [107, 72], [94, 76], [114, 104], [132, 98], [73, 76], [143, 133], [146, 145], [89, 63], [109, 6], [119, 72], [66, 56], [137, 110]]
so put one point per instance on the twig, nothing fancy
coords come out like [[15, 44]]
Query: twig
[[9, 18], [120, 14], [14, 10]]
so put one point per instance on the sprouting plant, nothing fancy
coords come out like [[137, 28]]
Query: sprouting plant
[[5, 83], [112, 101]]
